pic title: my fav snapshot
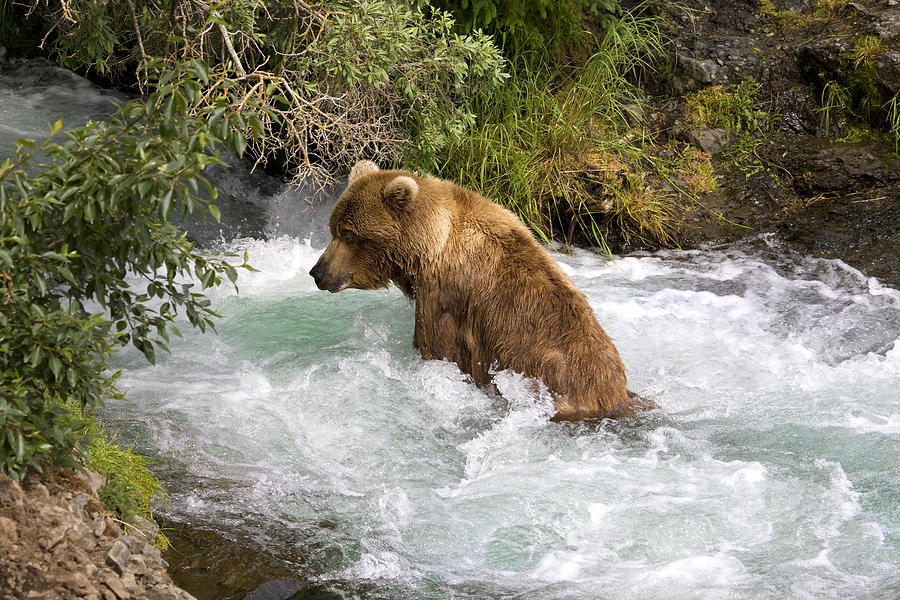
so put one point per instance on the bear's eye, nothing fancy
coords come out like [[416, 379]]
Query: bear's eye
[[347, 237]]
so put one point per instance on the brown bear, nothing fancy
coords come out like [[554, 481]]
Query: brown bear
[[486, 294]]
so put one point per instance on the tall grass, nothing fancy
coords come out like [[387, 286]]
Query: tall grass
[[893, 119], [551, 144]]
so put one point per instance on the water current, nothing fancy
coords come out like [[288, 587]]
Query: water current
[[310, 427]]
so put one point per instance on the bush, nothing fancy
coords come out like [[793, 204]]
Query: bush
[[545, 141], [89, 261], [538, 31], [342, 80]]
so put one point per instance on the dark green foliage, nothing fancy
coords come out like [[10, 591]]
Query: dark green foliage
[[733, 108], [88, 260], [539, 30], [120, 498]]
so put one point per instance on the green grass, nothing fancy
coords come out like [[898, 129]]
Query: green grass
[[893, 111], [130, 485], [865, 50], [552, 144]]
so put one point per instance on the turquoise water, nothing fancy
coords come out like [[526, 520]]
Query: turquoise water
[[770, 470]]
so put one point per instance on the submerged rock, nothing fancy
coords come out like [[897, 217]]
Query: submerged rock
[[279, 589]]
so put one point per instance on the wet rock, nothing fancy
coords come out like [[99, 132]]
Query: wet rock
[[694, 74], [710, 140], [205, 560], [887, 67], [820, 166], [279, 589], [888, 26], [856, 8], [798, 107]]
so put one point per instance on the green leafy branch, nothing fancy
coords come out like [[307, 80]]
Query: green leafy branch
[[89, 260]]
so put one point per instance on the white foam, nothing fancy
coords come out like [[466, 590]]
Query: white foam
[[379, 565], [282, 267], [700, 576]]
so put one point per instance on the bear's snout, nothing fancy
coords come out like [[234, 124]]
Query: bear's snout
[[323, 273], [318, 274]]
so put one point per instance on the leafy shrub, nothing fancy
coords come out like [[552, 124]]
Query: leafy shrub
[[342, 80], [539, 29], [89, 261]]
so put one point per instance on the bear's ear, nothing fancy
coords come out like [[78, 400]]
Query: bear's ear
[[363, 167], [400, 192]]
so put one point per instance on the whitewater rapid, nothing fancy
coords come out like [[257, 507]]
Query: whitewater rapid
[[311, 426]]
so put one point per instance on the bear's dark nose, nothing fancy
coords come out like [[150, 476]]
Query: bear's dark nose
[[317, 274]]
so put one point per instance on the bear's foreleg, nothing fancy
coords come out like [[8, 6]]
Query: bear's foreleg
[[441, 335]]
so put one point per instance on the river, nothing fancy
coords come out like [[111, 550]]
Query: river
[[309, 428]]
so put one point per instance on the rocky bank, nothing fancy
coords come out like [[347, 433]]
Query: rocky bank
[[828, 186], [58, 542]]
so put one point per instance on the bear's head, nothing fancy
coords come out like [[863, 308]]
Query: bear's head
[[383, 225]]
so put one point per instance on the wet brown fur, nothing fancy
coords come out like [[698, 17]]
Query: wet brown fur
[[486, 294]]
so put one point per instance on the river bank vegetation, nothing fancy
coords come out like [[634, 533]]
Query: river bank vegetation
[[89, 262]]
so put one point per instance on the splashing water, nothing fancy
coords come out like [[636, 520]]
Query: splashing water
[[311, 425], [34, 94]]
